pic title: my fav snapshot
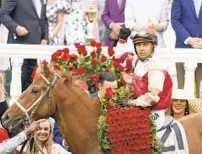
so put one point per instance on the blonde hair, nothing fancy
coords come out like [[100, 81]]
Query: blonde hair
[[34, 146]]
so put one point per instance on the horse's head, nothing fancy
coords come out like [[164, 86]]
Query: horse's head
[[37, 101]]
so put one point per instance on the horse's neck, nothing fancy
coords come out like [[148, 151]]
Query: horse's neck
[[77, 118]]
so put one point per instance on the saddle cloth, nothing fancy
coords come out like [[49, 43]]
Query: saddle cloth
[[173, 138]]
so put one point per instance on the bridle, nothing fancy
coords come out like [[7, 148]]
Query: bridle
[[36, 104]]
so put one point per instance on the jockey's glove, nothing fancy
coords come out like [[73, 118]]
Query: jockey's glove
[[135, 102], [124, 33], [123, 101]]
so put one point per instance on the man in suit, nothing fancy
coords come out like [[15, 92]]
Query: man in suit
[[27, 24], [113, 18], [186, 19]]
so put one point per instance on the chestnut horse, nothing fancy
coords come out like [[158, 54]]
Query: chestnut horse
[[76, 113]]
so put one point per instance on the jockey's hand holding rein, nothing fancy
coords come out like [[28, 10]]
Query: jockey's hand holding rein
[[143, 101]]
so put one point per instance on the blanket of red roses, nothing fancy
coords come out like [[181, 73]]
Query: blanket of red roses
[[126, 130]]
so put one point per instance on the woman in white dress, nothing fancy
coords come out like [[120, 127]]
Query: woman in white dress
[[55, 11], [75, 25], [140, 14]]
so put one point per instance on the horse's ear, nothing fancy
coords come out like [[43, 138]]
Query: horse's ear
[[67, 78], [46, 69]]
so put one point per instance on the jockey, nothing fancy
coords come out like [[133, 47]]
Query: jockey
[[151, 83]]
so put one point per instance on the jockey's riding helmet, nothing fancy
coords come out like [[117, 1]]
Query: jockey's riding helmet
[[146, 35]]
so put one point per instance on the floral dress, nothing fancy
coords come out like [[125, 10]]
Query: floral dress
[[75, 25], [51, 14]]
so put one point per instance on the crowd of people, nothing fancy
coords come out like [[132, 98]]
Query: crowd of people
[[152, 86], [57, 22]]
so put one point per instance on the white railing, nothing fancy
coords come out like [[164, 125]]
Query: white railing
[[190, 57]]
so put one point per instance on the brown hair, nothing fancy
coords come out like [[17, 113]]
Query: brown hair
[[186, 111]]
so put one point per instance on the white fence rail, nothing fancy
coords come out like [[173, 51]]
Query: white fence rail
[[16, 53]]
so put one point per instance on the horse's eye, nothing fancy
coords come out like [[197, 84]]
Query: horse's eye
[[35, 91]]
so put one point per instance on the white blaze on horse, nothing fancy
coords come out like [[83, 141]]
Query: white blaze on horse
[[76, 113]]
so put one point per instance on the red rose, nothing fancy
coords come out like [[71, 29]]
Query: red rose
[[111, 106], [93, 54], [94, 62], [73, 57], [103, 58], [99, 50], [77, 45], [57, 67], [98, 45], [54, 57], [59, 52], [93, 43], [108, 93], [82, 50], [92, 76], [65, 50], [111, 52], [110, 47], [65, 57], [80, 70], [71, 67]]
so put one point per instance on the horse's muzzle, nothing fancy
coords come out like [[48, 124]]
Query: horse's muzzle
[[13, 124]]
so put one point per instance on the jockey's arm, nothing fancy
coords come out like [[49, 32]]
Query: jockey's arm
[[156, 80]]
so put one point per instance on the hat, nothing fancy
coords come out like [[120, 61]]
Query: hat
[[145, 35], [195, 105], [179, 94]]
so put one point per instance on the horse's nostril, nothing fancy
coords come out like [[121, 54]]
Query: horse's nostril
[[5, 117]]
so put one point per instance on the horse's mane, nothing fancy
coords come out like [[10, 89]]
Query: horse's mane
[[77, 91]]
